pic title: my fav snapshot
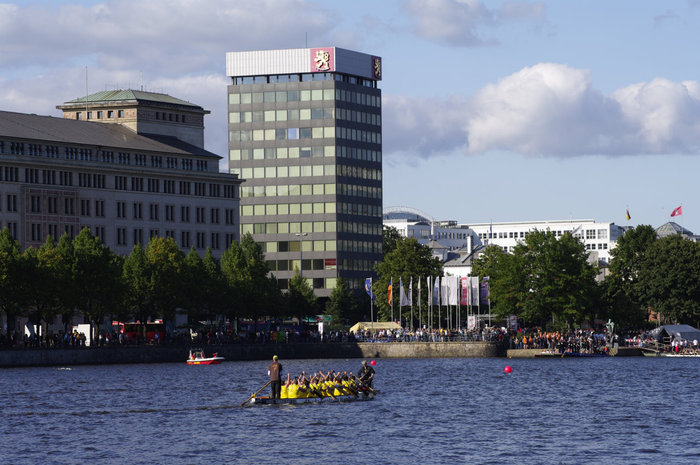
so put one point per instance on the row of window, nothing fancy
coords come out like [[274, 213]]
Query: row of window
[[327, 132], [312, 227], [303, 77], [100, 114], [323, 246], [351, 190], [199, 239], [123, 183], [304, 114], [105, 156], [279, 209], [310, 95], [316, 283], [589, 233], [317, 151], [315, 264], [176, 117], [270, 172], [66, 206]]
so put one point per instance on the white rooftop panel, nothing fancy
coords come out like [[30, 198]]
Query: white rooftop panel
[[301, 60]]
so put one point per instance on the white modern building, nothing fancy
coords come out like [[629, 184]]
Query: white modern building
[[599, 238], [410, 222]]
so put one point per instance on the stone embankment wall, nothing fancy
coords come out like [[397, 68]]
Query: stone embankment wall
[[239, 352]]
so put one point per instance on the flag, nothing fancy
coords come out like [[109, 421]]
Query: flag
[[627, 215], [436, 291], [464, 299], [677, 211], [410, 292], [419, 292], [474, 280], [484, 294], [444, 292], [368, 288], [453, 290], [388, 291], [403, 299]]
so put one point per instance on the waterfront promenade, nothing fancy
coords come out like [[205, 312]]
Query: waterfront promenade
[[241, 352]]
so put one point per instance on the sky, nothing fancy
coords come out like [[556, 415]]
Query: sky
[[492, 111]]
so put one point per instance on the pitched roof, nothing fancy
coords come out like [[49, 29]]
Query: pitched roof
[[131, 95], [68, 131]]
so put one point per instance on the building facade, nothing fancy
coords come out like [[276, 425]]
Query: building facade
[[305, 133], [599, 238], [60, 175]]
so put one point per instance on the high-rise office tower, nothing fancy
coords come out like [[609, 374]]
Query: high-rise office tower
[[305, 132]]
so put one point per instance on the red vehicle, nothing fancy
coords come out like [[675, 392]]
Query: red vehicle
[[135, 331]]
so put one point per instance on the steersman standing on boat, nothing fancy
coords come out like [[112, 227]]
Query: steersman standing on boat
[[275, 373], [366, 374]]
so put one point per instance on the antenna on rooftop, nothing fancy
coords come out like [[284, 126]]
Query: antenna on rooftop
[[142, 81], [86, 93]]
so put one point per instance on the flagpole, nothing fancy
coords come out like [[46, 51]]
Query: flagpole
[[410, 291]]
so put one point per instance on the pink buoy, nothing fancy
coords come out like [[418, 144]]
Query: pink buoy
[[507, 369], [372, 363]]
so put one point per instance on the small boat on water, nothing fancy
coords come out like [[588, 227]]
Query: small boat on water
[[265, 400], [197, 357]]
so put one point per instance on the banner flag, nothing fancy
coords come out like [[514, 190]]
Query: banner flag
[[443, 291], [403, 299], [627, 214], [464, 298], [677, 211], [388, 291], [474, 280], [368, 288], [410, 292], [436, 291], [484, 294], [453, 287], [419, 292]]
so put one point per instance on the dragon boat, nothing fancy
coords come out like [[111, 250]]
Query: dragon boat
[[266, 400]]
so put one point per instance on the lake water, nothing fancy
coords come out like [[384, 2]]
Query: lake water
[[561, 411]]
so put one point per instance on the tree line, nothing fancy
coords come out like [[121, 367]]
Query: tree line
[[549, 280], [82, 277]]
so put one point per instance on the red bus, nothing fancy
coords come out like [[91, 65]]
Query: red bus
[[135, 331]]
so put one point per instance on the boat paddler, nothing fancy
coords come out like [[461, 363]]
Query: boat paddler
[[366, 374], [275, 373]]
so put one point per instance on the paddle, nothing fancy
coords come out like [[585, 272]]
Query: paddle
[[256, 393]]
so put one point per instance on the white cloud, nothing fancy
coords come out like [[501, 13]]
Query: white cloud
[[123, 33], [459, 22], [550, 110]]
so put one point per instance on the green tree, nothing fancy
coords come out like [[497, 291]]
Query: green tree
[[13, 294], [254, 291], [137, 278], [390, 238], [408, 259], [622, 297], [545, 278], [96, 277], [669, 279], [166, 262], [300, 300], [342, 304], [46, 273], [507, 284]]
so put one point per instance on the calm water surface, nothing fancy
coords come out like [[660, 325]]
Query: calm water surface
[[562, 411]]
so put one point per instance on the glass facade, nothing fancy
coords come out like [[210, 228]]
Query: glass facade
[[309, 148]]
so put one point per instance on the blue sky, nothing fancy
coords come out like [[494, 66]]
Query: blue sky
[[493, 111]]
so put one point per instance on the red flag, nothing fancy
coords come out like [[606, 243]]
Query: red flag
[[388, 291], [677, 211]]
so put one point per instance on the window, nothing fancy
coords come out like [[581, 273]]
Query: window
[[138, 211]]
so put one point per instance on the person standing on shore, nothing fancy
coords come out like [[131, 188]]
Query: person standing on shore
[[275, 373]]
